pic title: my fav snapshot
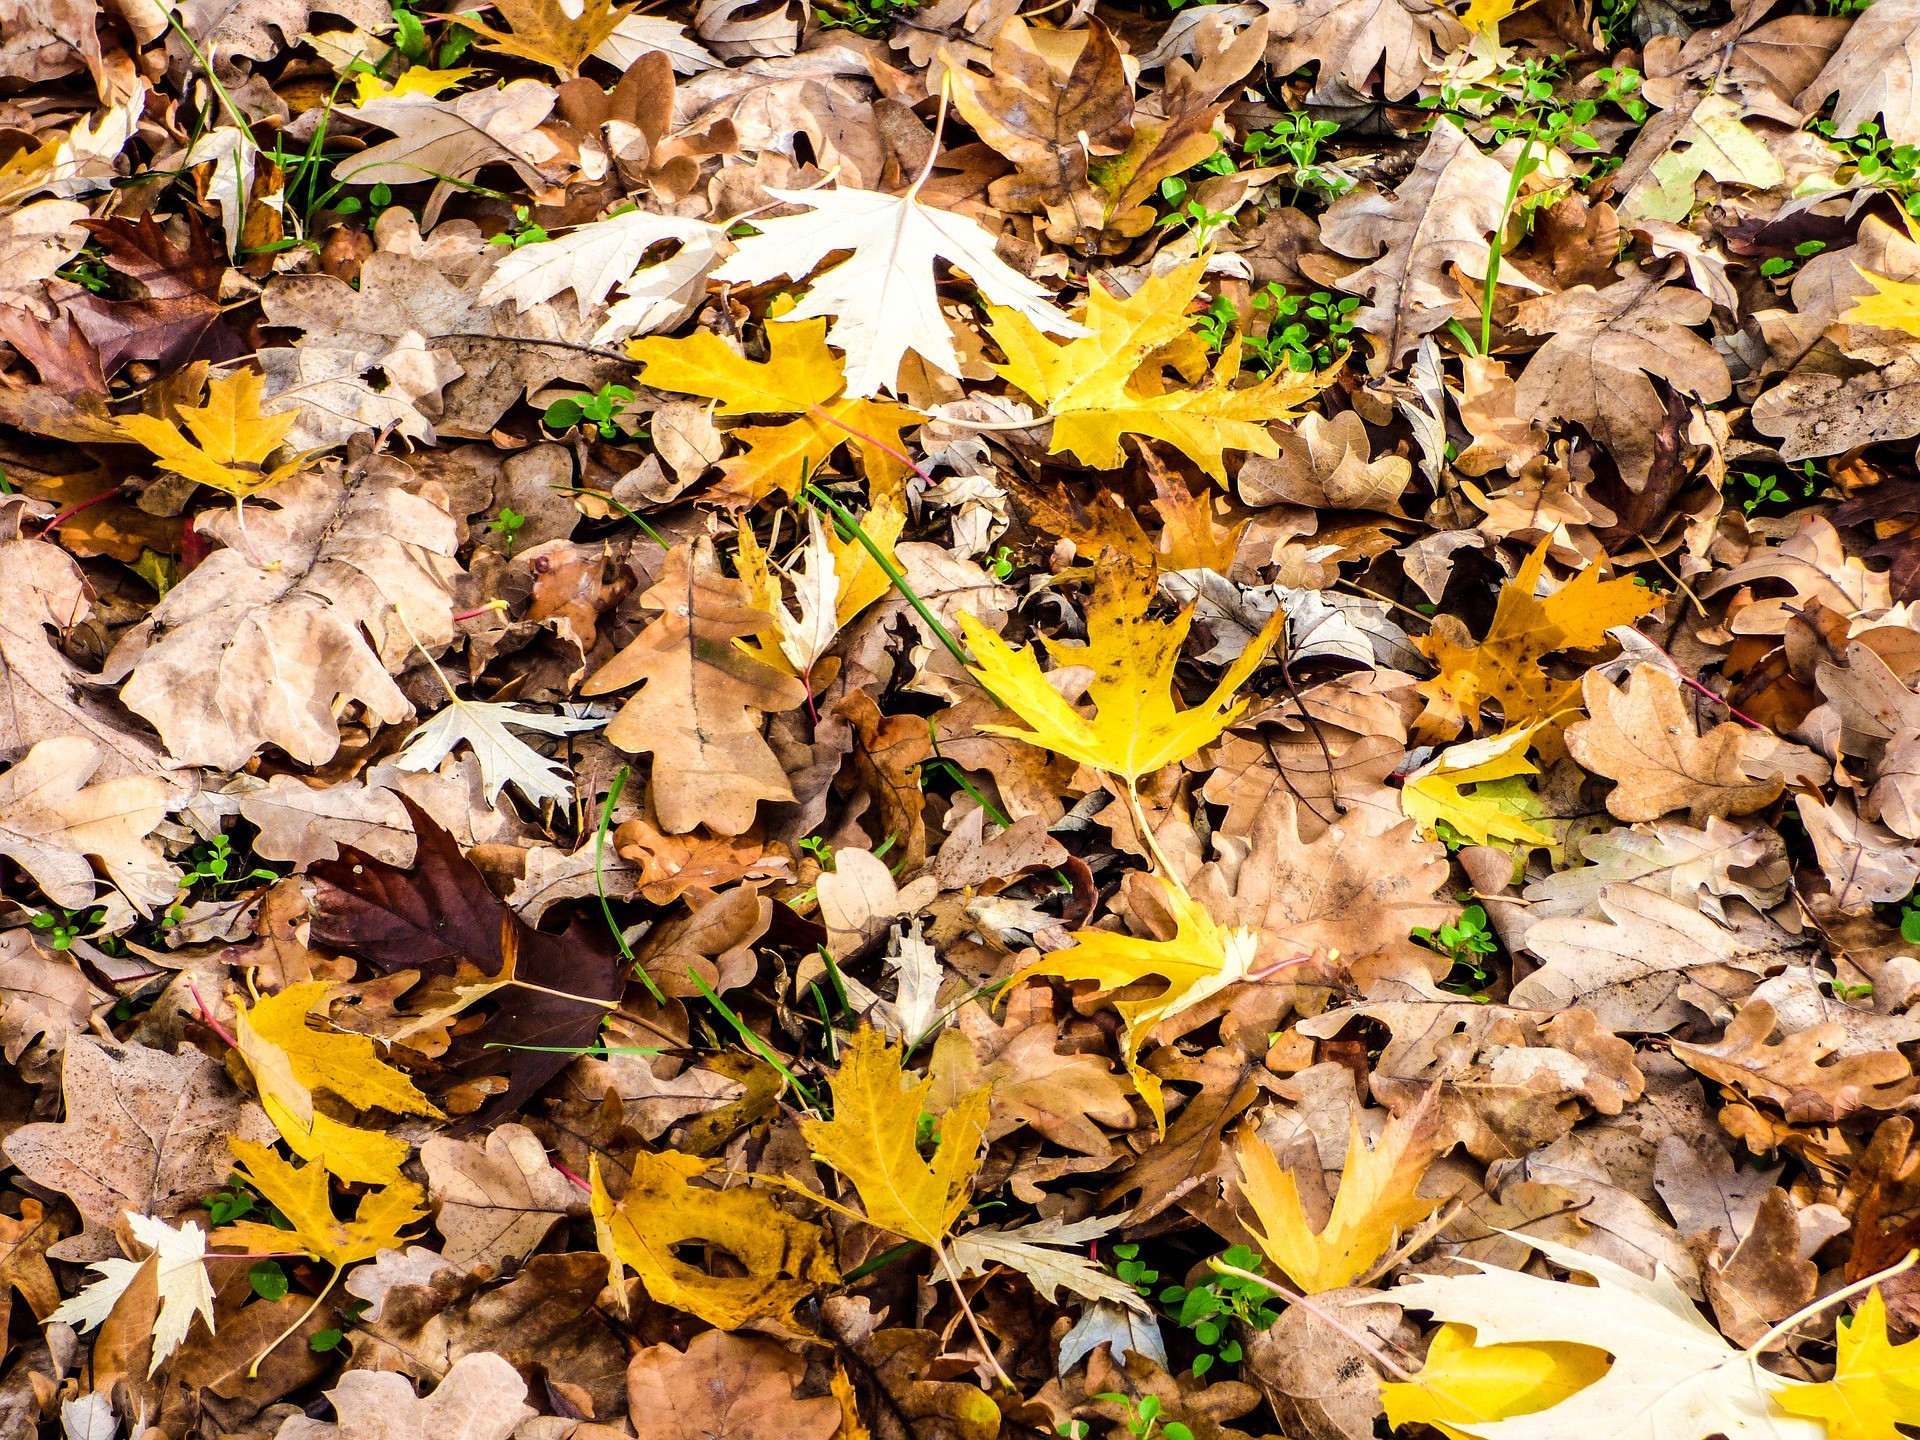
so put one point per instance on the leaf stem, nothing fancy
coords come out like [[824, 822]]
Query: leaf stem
[[1826, 1302], [253, 1370], [966, 1308]]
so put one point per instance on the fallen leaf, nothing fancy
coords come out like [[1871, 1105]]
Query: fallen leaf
[[239, 655], [698, 715], [1643, 738], [871, 1140], [301, 1195], [1875, 1385], [1136, 728], [785, 1259], [180, 1276], [1506, 667], [882, 297], [145, 1131], [495, 1203], [725, 1387], [52, 821], [481, 1397], [1095, 391], [1374, 1208], [1441, 216]]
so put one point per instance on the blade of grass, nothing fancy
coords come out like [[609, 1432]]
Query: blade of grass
[[753, 1042], [851, 528], [600, 882]]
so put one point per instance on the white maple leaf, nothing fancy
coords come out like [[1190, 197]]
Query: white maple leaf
[[504, 757], [816, 585], [180, 1256], [882, 296], [591, 259], [1673, 1374], [231, 151], [1031, 1249], [660, 296], [637, 34], [85, 159]]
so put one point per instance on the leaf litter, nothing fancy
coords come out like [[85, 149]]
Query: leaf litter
[[933, 718]]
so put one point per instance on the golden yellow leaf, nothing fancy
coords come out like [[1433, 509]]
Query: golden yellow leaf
[[1110, 383], [1485, 15], [873, 1136], [1498, 810], [1374, 1208], [1135, 728], [1201, 959], [419, 80], [291, 1059], [301, 1195], [1467, 1384], [799, 376], [231, 438], [543, 32], [1896, 306], [784, 1257], [1875, 1385], [1505, 667]]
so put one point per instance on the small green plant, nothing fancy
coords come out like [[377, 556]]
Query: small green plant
[[1188, 213], [1466, 941], [268, 1280], [820, 848], [1295, 140], [597, 410], [1309, 332], [1001, 563], [216, 868], [521, 232], [1212, 1309], [60, 928], [507, 525], [1769, 489], [863, 17], [1843, 990], [1777, 265], [1612, 18], [1877, 161], [1132, 1270], [1143, 1417], [88, 269]]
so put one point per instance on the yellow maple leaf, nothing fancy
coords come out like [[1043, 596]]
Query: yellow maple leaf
[[873, 1138], [1875, 1385], [1135, 728], [230, 441], [1492, 814], [799, 376], [418, 80], [290, 1059], [1101, 386], [1485, 15], [1505, 667], [1895, 307], [1462, 1383], [1200, 960], [785, 1257], [300, 1193], [543, 31], [1374, 1207]]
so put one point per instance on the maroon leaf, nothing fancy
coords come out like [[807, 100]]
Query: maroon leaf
[[439, 914]]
